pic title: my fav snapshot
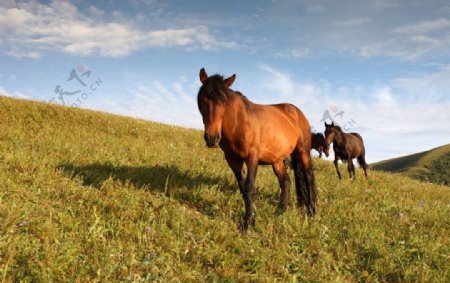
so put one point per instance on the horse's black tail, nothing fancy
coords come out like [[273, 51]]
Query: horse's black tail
[[362, 163], [304, 183]]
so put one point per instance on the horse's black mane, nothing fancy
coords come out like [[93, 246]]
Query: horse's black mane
[[335, 126], [216, 89], [338, 128], [320, 135]]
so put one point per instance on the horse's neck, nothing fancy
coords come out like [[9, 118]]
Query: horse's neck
[[340, 139], [235, 113]]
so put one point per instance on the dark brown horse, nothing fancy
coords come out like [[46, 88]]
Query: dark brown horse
[[346, 147], [257, 134], [318, 143]]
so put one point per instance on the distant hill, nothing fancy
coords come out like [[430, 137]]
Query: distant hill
[[431, 165]]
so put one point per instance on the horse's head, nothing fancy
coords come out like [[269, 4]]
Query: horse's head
[[331, 131], [212, 100], [322, 145], [325, 146]]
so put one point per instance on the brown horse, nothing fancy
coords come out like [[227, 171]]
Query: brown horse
[[257, 134], [346, 147], [318, 143]]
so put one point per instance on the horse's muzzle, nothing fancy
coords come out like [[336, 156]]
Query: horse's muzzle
[[326, 151], [212, 141]]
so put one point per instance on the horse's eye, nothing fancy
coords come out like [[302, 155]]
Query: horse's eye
[[204, 102]]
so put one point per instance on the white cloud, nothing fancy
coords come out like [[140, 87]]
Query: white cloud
[[352, 22], [300, 53], [381, 4], [294, 53], [407, 48], [170, 104], [23, 54], [430, 88], [280, 83], [424, 26], [29, 29], [15, 94], [384, 97], [96, 12], [372, 30], [315, 9]]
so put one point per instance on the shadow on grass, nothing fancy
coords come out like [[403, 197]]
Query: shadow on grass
[[167, 179]]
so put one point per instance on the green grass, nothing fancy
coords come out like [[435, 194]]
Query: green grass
[[93, 197], [431, 165]]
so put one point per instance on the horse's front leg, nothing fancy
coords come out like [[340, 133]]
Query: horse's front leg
[[236, 165], [350, 168], [249, 191], [336, 159]]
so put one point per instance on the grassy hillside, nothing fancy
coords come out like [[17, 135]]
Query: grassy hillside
[[431, 166], [89, 197]]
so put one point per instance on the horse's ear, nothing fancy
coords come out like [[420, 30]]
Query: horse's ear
[[203, 75], [230, 80], [332, 124], [326, 125]]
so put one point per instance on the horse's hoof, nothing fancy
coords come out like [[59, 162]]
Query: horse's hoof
[[280, 211], [282, 207], [247, 222], [243, 227], [252, 221], [311, 211]]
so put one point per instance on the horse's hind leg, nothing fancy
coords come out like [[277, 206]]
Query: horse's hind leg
[[279, 169], [337, 167]]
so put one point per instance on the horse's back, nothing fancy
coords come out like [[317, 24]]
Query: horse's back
[[357, 135], [281, 127], [358, 143], [294, 112], [299, 119], [276, 113], [286, 108]]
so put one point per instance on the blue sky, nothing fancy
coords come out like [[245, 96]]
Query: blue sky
[[380, 68]]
